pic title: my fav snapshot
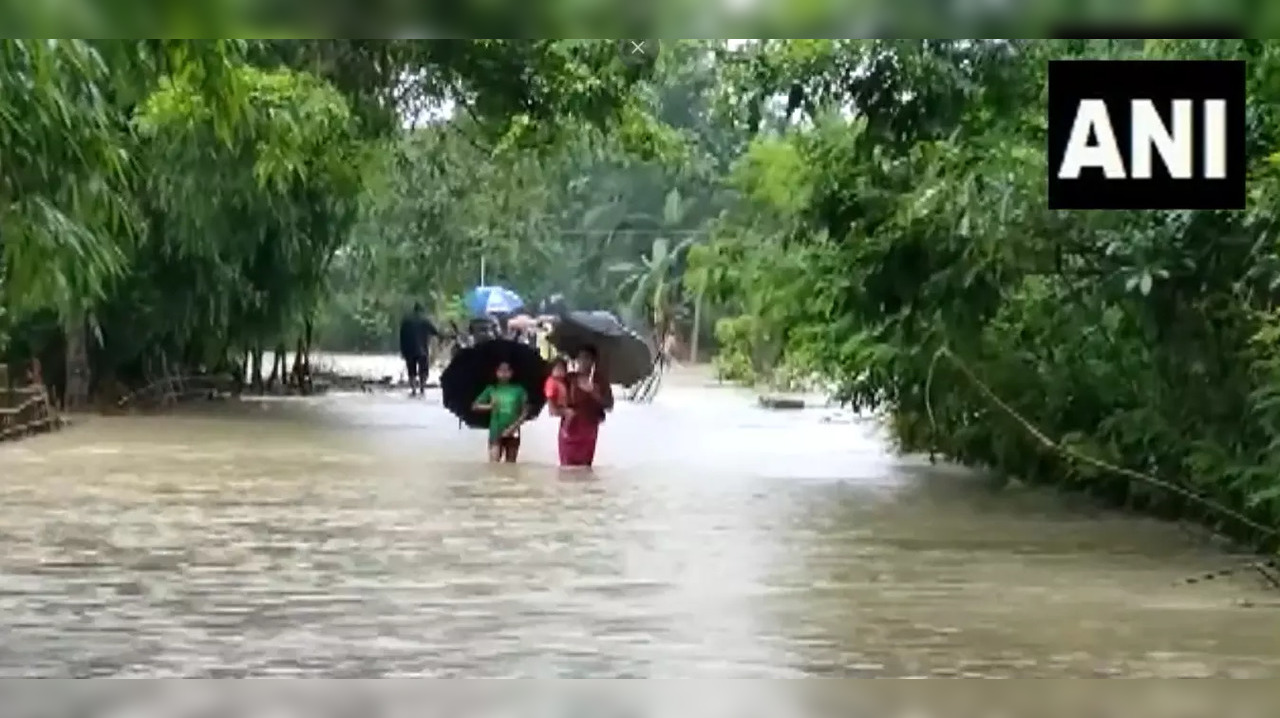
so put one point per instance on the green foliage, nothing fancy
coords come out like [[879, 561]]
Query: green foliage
[[867, 211], [246, 225], [63, 194], [735, 360], [190, 200], [1143, 340], [596, 214]]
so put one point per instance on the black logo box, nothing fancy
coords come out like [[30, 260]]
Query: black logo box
[[1117, 82]]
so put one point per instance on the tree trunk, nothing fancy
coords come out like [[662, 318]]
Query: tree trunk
[[697, 328], [240, 372], [175, 375], [275, 368], [76, 395], [307, 335], [296, 373], [257, 369]]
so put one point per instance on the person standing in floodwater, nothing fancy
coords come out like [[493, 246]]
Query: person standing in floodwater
[[416, 332], [588, 400], [508, 406]]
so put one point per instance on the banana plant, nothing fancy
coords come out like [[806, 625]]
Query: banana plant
[[650, 288]]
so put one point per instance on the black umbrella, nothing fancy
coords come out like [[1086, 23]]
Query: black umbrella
[[624, 355], [474, 368]]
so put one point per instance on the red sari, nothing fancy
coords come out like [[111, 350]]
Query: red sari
[[580, 431]]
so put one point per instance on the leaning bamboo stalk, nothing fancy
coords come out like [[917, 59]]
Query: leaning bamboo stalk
[[194, 383], [1263, 565]]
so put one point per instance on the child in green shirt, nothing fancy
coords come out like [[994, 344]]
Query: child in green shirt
[[507, 404]]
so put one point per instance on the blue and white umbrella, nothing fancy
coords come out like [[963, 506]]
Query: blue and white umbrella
[[485, 300]]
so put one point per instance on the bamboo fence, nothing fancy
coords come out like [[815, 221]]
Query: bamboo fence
[[25, 411]]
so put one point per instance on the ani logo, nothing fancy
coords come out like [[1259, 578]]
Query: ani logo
[[1146, 134]]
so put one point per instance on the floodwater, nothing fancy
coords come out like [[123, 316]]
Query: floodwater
[[364, 535]]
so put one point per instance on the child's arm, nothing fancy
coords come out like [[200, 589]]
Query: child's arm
[[484, 402]]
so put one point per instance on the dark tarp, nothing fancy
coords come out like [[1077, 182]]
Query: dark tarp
[[473, 368]]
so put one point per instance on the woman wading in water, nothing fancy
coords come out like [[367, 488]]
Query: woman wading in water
[[588, 399]]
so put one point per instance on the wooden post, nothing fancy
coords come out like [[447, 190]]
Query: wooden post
[[77, 391], [308, 334]]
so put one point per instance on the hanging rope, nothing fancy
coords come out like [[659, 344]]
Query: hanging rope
[[1263, 567]]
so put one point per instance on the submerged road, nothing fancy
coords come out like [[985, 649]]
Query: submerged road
[[365, 536]]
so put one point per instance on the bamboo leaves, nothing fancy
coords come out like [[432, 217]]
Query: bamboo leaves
[[1147, 336]]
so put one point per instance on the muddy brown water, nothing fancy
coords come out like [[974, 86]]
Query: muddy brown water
[[363, 535]]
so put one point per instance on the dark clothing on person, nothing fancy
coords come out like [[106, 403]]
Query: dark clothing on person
[[415, 332], [418, 367], [481, 328]]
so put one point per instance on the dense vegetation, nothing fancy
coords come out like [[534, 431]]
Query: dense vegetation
[[904, 250], [586, 217], [868, 212], [176, 206]]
